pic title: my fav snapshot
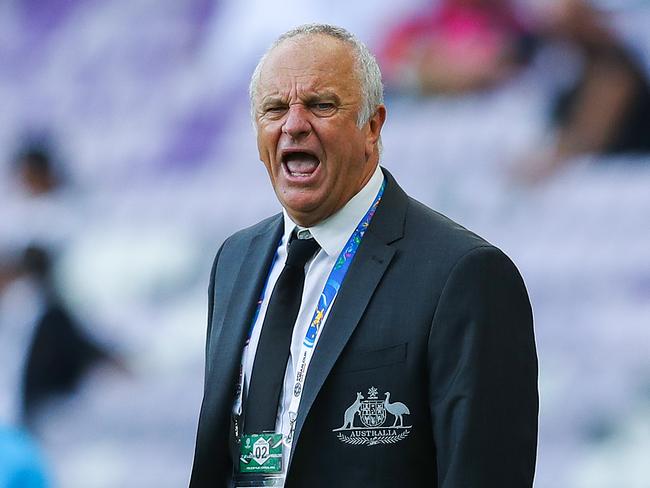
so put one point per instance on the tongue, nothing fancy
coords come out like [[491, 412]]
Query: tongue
[[302, 164]]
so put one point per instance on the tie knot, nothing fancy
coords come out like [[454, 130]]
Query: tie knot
[[301, 251]]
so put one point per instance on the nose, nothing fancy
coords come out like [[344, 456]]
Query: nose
[[296, 125]]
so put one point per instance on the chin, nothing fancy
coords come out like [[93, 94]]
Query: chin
[[301, 210], [305, 215], [301, 200]]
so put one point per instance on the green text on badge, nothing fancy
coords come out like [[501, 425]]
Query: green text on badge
[[261, 453]]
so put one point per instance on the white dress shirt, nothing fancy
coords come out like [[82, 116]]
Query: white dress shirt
[[331, 234]]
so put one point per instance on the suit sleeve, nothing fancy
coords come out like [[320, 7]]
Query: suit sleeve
[[483, 376], [204, 467], [211, 285]]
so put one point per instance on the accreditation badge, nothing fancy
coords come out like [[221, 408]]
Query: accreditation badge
[[261, 454]]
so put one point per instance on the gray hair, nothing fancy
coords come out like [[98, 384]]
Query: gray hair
[[368, 73]]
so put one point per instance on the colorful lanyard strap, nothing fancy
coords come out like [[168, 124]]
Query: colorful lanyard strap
[[340, 269]]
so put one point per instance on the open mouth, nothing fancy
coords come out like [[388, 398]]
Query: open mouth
[[300, 164]]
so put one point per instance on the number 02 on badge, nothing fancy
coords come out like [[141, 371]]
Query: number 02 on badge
[[261, 453]]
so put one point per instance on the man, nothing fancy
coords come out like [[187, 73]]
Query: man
[[408, 357]]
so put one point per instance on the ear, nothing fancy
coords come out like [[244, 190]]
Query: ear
[[373, 133]]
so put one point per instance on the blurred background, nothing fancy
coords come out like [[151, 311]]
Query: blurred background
[[127, 155]]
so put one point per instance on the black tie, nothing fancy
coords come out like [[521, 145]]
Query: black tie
[[273, 349]]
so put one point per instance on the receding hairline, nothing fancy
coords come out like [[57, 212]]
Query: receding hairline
[[297, 38]]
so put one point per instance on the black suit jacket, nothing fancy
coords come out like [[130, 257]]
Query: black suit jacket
[[430, 313]]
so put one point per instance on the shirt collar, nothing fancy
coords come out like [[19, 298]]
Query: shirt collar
[[333, 232]]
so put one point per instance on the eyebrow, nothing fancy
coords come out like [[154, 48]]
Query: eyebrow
[[272, 100], [324, 95], [307, 99]]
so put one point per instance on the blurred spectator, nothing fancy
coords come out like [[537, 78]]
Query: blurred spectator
[[60, 352], [38, 203], [40, 336], [456, 46], [36, 172], [607, 109], [21, 463]]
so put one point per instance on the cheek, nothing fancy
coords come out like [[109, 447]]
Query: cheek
[[266, 145], [267, 165]]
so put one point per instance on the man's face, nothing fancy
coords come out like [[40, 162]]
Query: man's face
[[306, 108]]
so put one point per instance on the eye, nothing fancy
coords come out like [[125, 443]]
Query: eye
[[323, 107], [274, 110]]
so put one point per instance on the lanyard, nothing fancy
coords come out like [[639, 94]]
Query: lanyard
[[332, 286]]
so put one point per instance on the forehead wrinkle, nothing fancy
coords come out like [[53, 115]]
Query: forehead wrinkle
[[285, 76], [310, 75], [318, 90]]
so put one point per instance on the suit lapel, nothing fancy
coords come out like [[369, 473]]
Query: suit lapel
[[366, 271], [229, 343]]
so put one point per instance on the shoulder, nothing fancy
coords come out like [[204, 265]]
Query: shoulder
[[437, 232], [437, 239], [436, 245], [239, 242], [425, 240], [417, 227], [458, 254], [234, 248]]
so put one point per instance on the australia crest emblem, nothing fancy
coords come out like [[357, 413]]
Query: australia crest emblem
[[364, 422]]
